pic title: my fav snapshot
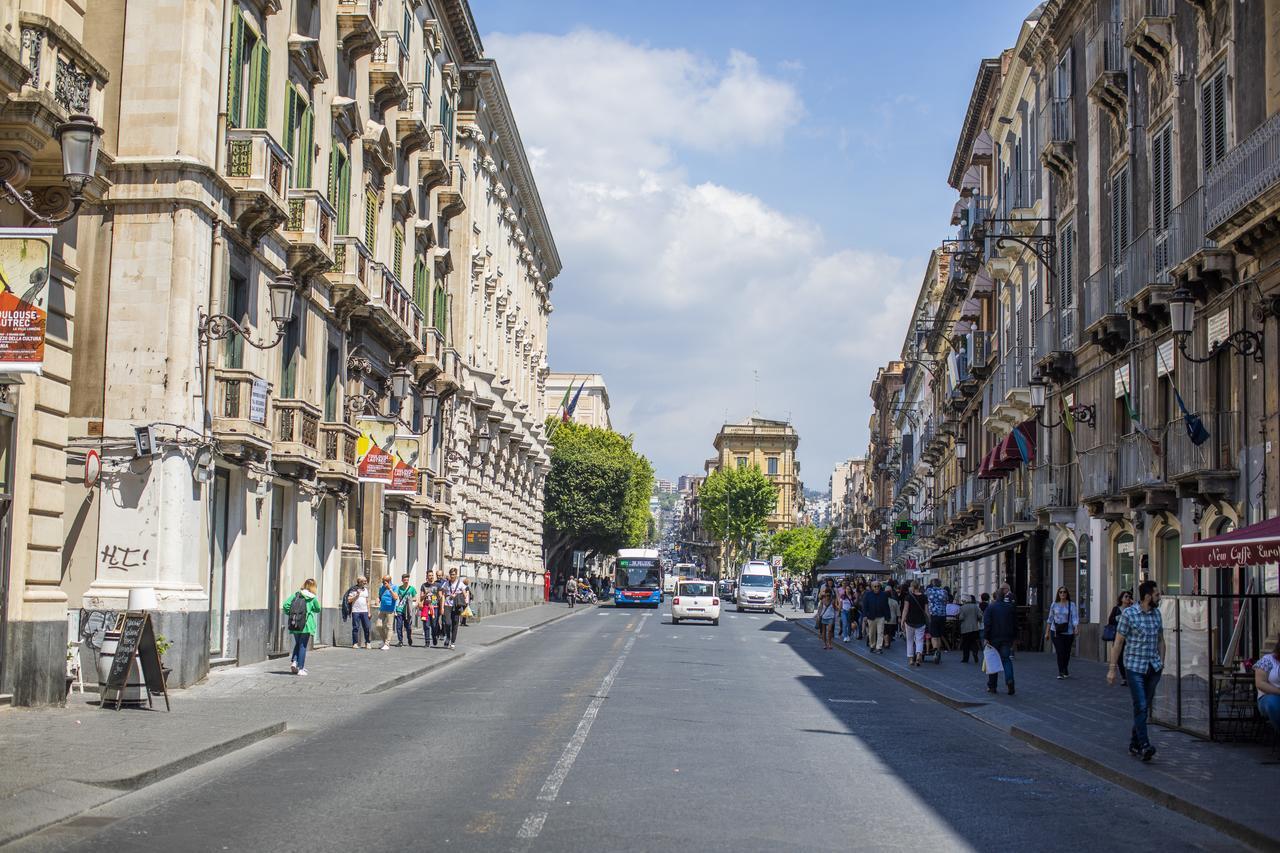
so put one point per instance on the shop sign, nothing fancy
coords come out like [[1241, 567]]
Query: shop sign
[[904, 529], [24, 297]]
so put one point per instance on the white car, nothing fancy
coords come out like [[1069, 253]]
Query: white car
[[695, 600]]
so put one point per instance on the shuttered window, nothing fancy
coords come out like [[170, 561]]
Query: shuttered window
[[446, 121], [248, 73], [299, 129], [1213, 118], [397, 253], [441, 308], [421, 288], [259, 81], [235, 67], [340, 185], [1121, 217], [1067, 281], [371, 220], [1161, 179]]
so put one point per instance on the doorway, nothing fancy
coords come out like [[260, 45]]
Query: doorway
[[275, 571], [219, 551], [6, 523]]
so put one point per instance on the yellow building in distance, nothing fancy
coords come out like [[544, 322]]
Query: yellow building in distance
[[769, 445]]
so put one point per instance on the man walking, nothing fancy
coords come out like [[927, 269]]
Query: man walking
[[937, 616], [1000, 629], [1139, 647], [571, 591], [386, 612], [405, 594], [875, 608]]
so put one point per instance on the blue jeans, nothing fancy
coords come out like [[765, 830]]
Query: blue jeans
[[403, 627], [1142, 689], [299, 655], [1005, 649], [359, 621], [844, 622], [1269, 705]]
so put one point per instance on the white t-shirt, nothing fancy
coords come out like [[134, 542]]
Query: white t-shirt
[[1271, 667], [361, 602]]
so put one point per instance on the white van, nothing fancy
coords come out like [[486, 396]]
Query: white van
[[755, 587]]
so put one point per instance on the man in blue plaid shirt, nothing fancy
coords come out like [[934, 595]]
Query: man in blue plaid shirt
[[1139, 646]]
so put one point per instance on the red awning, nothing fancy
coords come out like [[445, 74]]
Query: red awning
[[1255, 545]]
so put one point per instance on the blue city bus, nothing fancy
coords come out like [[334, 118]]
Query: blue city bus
[[637, 578]]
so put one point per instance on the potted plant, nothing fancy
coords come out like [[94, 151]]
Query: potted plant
[[163, 644]]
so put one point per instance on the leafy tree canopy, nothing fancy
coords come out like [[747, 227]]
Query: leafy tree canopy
[[801, 548], [735, 504]]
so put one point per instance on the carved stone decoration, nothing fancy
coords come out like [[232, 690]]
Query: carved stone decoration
[[32, 48], [14, 168], [71, 87], [52, 200]]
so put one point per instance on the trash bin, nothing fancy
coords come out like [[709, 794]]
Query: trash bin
[[808, 604]]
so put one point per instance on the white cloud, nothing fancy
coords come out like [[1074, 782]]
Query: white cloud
[[675, 289]]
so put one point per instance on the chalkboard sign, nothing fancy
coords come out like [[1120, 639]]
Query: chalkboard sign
[[137, 640]]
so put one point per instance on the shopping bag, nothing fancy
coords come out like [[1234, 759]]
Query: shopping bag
[[991, 660]]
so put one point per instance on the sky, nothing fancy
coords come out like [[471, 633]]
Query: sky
[[744, 197]]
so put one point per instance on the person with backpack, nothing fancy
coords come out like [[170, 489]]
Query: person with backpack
[[387, 605], [455, 601], [915, 615], [357, 603], [301, 610], [406, 593]]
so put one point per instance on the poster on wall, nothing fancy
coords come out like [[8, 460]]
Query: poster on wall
[[404, 479], [382, 456], [24, 297]]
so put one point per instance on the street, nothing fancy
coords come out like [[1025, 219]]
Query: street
[[615, 730]]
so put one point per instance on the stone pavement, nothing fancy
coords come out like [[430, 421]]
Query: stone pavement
[[74, 758], [1229, 786]]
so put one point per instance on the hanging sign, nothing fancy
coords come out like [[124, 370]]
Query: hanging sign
[[24, 297], [258, 401], [1218, 327], [1122, 380], [904, 529], [1164, 358], [404, 479]]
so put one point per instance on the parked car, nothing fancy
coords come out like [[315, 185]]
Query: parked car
[[695, 599]]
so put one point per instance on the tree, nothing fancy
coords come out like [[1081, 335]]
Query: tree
[[735, 503], [802, 548], [596, 496]]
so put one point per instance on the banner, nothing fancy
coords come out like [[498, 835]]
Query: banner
[[404, 479], [384, 457], [24, 297]]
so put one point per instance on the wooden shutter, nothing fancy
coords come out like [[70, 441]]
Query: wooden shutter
[[370, 219], [290, 126], [1161, 179], [344, 192], [1213, 118], [331, 185], [1120, 215], [397, 253], [442, 304], [235, 64], [306, 146], [259, 78], [1066, 266]]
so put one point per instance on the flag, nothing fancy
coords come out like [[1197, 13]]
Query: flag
[[564, 404], [1138, 425], [1067, 418], [574, 404]]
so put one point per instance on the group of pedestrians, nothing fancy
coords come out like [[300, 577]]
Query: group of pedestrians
[[440, 606]]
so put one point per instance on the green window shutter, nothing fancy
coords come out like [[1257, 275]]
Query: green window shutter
[[306, 144], [343, 203], [397, 253], [261, 79], [234, 62], [331, 185], [371, 220], [420, 288], [442, 304], [290, 125]]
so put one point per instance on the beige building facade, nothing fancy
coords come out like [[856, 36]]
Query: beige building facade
[[769, 445], [592, 404]]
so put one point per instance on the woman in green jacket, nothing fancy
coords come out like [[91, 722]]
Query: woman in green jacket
[[302, 623]]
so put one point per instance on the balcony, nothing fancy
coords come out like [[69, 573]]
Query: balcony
[[1009, 391], [358, 27], [350, 274], [391, 309], [1242, 192], [1059, 120], [443, 499], [1097, 468], [1106, 62], [297, 442], [1053, 357], [1105, 323], [240, 404], [1140, 473], [452, 199], [433, 160], [429, 365], [1194, 260], [257, 169], [338, 457], [388, 83], [309, 232], [1142, 284], [1150, 33], [1053, 492], [412, 130], [1209, 470]]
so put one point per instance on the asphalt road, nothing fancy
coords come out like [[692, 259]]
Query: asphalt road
[[617, 731]]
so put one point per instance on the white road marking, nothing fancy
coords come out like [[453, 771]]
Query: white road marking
[[855, 701], [532, 825]]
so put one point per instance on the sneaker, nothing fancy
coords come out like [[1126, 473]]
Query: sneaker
[[302, 672], [453, 645], [1135, 750], [1061, 676], [1148, 752], [385, 647], [293, 667]]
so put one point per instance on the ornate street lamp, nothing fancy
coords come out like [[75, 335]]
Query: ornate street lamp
[[215, 327], [79, 137], [1182, 318], [1086, 415]]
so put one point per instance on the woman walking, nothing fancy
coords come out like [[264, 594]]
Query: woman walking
[[915, 615], [1123, 601], [1064, 619], [891, 623], [826, 618], [358, 599], [846, 610], [970, 619], [302, 623]]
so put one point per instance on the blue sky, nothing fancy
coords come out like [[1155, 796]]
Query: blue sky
[[739, 188]]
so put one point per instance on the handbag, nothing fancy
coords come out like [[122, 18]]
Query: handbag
[[991, 660], [1109, 634]]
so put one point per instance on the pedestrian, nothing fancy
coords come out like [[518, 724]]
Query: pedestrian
[[797, 592], [891, 623], [937, 598], [358, 601], [970, 630], [1062, 624], [1139, 648], [386, 612], [826, 617], [406, 593], [454, 602], [427, 606], [570, 591], [915, 615], [875, 608], [1109, 631], [846, 611], [999, 630], [983, 602], [1266, 680], [302, 608], [466, 594]]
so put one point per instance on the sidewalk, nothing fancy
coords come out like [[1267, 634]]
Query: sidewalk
[[1228, 786], [78, 757]]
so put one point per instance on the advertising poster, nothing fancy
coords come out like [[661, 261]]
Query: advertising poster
[[381, 456], [24, 297], [404, 479]]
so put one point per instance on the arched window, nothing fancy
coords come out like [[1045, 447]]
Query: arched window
[[1170, 577], [1084, 586], [1122, 564], [1067, 567]]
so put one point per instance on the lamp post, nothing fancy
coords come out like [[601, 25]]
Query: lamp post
[[1086, 415], [216, 327], [79, 138], [1182, 318]]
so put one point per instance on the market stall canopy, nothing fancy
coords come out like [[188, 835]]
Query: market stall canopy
[[1255, 545], [856, 564]]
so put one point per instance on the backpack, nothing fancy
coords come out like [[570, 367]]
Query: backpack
[[298, 613], [345, 607]]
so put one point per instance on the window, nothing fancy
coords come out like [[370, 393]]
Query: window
[[446, 121], [1213, 118], [299, 139], [1084, 587], [742, 462], [421, 287], [291, 352], [1122, 563], [332, 379], [238, 308], [772, 463], [1121, 220], [248, 67], [370, 219], [1170, 578], [340, 185], [1067, 278], [441, 310], [1067, 568], [397, 252], [1161, 179]]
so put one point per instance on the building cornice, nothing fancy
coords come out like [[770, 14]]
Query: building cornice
[[988, 73], [463, 26]]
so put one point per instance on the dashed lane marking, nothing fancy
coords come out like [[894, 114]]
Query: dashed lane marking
[[854, 701]]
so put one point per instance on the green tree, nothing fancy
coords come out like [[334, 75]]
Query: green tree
[[596, 496], [801, 548], [735, 503]]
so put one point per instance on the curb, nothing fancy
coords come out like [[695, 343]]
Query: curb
[[410, 676], [195, 759], [531, 628], [1172, 802]]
